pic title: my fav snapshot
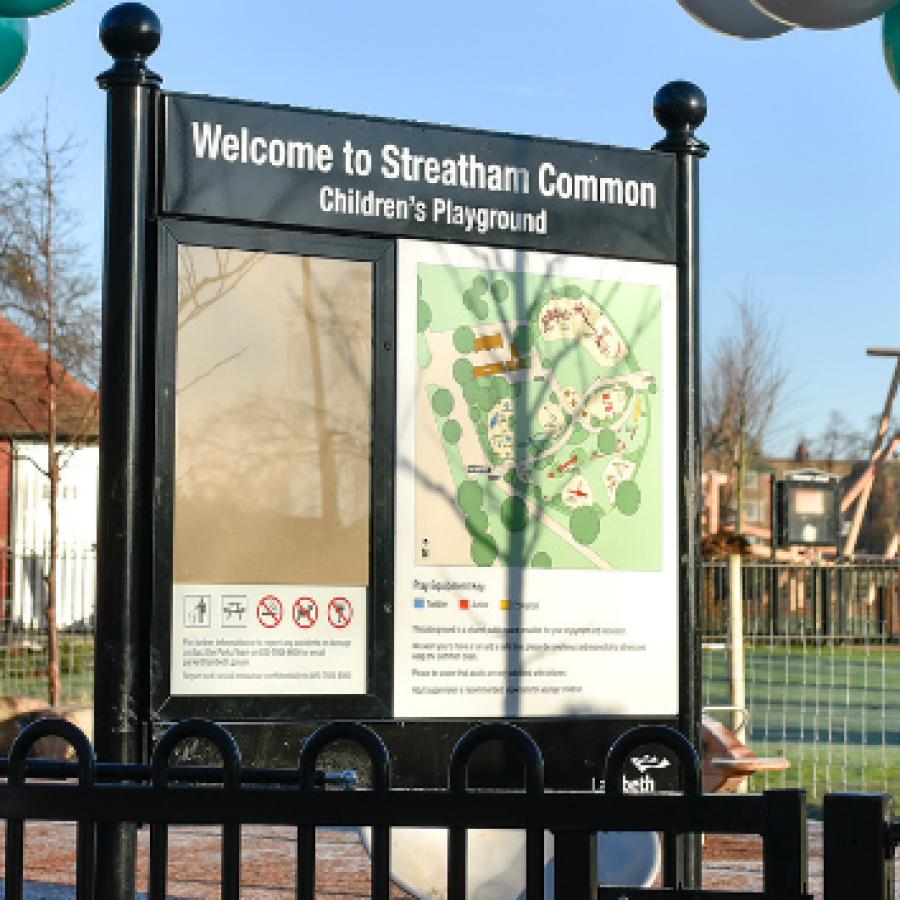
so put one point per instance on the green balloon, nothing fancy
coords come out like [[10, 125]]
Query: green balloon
[[13, 47], [890, 36], [20, 9]]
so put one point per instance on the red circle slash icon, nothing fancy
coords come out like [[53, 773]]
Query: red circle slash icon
[[305, 612], [269, 611], [340, 612]]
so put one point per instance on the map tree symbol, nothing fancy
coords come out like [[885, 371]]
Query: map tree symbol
[[628, 498], [463, 372], [514, 514], [477, 523], [464, 339], [499, 290], [471, 497], [606, 441], [473, 298], [584, 523], [452, 431], [484, 550], [442, 402]]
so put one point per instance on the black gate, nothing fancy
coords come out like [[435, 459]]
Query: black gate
[[859, 831]]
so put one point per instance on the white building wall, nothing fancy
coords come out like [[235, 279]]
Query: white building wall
[[77, 536]]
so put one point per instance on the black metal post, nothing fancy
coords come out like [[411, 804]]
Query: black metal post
[[680, 107], [785, 844], [575, 864], [859, 846], [130, 32]]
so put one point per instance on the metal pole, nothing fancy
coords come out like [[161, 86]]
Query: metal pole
[[680, 107], [130, 32], [736, 647]]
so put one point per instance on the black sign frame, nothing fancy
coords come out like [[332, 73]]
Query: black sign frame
[[135, 164], [375, 703]]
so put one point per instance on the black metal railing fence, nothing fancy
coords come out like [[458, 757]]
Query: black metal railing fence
[[855, 601], [859, 830]]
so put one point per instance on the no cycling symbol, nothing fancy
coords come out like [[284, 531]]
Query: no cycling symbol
[[269, 611], [305, 612], [340, 612]]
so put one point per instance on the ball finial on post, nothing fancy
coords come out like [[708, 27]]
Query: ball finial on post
[[130, 33], [680, 107]]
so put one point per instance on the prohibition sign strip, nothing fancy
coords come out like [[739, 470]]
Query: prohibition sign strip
[[340, 612], [269, 611], [305, 612]]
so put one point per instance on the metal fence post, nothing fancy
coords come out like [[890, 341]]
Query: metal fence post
[[575, 864], [785, 843], [130, 32], [457, 835], [737, 689], [859, 852]]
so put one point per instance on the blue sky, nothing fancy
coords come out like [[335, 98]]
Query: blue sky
[[797, 195]]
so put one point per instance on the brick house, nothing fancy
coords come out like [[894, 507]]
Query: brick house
[[882, 516], [24, 490]]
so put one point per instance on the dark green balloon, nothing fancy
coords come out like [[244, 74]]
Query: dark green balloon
[[13, 47], [890, 37], [21, 9]]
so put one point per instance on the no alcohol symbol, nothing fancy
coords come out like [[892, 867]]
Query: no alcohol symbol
[[340, 612], [305, 612]]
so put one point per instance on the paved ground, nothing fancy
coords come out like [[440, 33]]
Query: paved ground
[[268, 862]]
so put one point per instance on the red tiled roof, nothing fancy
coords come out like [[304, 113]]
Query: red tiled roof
[[23, 391]]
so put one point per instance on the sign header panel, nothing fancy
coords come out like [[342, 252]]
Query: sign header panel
[[255, 163]]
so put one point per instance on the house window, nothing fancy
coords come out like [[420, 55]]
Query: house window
[[754, 512]]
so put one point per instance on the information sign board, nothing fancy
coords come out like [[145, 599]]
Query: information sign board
[[400, 426]]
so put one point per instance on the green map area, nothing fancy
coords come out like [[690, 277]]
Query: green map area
[[543, 393]]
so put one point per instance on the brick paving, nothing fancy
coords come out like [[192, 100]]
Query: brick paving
[[268, 863]]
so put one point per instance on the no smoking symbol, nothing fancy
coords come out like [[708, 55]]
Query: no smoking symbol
[[305, 612], [340, 612], [269, 611]]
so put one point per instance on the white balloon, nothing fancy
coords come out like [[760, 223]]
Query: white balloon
[[823, 13], [738, 18]]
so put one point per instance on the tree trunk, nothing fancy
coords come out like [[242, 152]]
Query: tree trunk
[[53, 668]]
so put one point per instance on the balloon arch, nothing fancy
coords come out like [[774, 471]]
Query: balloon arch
[[14, 16], [758, 19]]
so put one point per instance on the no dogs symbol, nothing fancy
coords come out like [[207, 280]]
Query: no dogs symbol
[[305, 612], [340, 612]]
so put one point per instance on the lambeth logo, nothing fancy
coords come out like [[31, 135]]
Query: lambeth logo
[[645, 784]]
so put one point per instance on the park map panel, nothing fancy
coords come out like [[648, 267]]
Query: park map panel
[[536, 507], [544, 414]]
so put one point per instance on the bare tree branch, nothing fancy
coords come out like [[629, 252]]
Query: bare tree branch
[[47, 291], [744, 383]]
